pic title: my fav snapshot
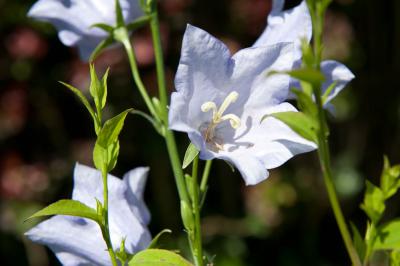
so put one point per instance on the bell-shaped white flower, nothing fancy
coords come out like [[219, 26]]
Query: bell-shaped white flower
[[293, 25], [74, 18], [220, 100], [78, 241]]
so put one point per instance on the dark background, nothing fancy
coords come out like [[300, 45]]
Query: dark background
[[285, 220]]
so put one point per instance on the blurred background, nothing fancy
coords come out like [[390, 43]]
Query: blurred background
[[286, 220]]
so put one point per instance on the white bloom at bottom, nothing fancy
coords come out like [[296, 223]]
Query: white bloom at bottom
[[78, 241]]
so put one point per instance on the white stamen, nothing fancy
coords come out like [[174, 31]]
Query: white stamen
[[234, 120], [231, 98], [218, 116], [207, 106]]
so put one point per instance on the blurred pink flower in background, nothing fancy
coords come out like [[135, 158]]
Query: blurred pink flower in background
[[26, 43]]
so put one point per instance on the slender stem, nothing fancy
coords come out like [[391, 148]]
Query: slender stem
[[323, 145], [124, 38], [169, 136], [198, 254], [162, 88], [104, 227], [204, 178]]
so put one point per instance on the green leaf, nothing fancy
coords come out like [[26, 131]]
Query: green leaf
[[305, 103], [189, 186], [138, 23], [98, 89], [83, 99], [107, 28], [328, 92], [308, 55], [388, 236], [299, 122], [121, 254], [395, 258], [309, 75], [119, 15], [390, 181], [67, 207], [100, 47], [154, 242], [187, 216], [106, 156], [111, 129], [190, 154], [359, 243], [374, 202], [158, 257]]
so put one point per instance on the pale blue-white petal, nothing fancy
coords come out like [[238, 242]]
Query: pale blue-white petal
[[75, 28], [135, 181], [277, 6], [288, 26], [123, 221], [202, 74], [250, 167], [78, 241], [335, 72], [270, 142]]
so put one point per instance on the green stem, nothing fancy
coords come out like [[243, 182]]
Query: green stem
[[169, 136], [158, 53], [198, 254], [204, 178], [317, 12], [123, 37], [105, 227]]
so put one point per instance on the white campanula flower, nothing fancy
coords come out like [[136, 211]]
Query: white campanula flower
[[220, 100], [74, 18], [78, 241], [291, 26]]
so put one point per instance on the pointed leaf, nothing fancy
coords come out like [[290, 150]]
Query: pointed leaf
[[190, 154], [103, 26], [119, 15], [299, 122], [305, 103], [154, 242], [309, 75], [111, 129], [374, 202], [100, 47], [106, 157], [158, 257], [390, 178], [83, 99], [138, 23], [187, 216], [359, 243], [388, 236], [68, 207], [98, 89]]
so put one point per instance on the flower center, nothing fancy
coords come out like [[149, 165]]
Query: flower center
[[218, 117]]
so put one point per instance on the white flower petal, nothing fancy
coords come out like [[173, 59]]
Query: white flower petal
[[67, 235], [288, 26], [201, 76], [75, 29], [250, 167], [76, 236], [135, 181], [335, 72]]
